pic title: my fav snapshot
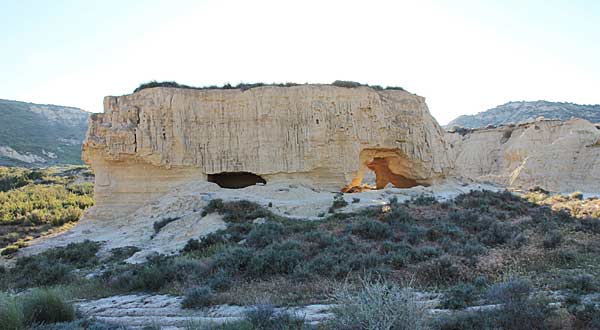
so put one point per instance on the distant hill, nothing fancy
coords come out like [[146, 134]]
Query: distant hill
[[515, 112], [40, 134]]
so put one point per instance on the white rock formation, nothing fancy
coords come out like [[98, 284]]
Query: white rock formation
[[324, 136], [555, 155]]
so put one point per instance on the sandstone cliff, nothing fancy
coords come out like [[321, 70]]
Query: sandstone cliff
[[560, 156], [146, 143]]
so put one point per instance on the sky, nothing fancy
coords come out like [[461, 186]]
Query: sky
[[462, 56]]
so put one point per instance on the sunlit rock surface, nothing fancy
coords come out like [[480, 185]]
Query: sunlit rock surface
[[328, 137], [560, 156]]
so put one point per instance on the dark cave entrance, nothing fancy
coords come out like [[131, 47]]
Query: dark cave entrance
[[235, 180]]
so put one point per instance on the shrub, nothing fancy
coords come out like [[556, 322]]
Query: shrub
[[75, 254], [498, 233], [198, 297], [10, 250], [530, 314], [154, 83], [206, 242], [235, 259], [122, 253], [346, 84], [265, 317], [397, 214], [279, 258], [459, 296], [237, 211], [220, 281], [157, 273], [261, 316], [576, 195], [587, 316], [11, 315], [513, 290], [396, 88], [338, 203], [423, 200], [441, 270], [584, 283], [371, 229], [45, 306], [158, 225], [552, 240], [378, 305], [264, 234], [53, 266], [425, 253]]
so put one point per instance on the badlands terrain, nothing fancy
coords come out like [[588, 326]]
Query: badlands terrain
[[340, 206]]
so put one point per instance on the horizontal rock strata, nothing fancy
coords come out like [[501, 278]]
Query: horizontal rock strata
[[146, 143], [560, 156]]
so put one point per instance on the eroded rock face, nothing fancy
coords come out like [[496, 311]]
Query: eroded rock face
[[328, 137], [560, 156]]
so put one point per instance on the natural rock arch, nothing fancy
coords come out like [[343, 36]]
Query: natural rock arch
[[390, 166]]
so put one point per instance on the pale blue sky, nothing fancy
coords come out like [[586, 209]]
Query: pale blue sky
[[463, 56]]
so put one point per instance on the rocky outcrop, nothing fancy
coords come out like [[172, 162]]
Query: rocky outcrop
[[165, 312], [560, 156], [328, 137], [524, 111]]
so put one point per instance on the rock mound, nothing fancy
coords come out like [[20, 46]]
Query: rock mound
[[328, 137], [560, 156]]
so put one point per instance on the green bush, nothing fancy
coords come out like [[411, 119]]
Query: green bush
[[264, 234], [157, 273], [278, 258], [198, 297], [265, 317], [587, 316], [583, 283], [11, 314], [235, 259], [378, 305], [52, 203], [220, 281], [338, 203], [346, 84], [439, 271], [237, 211], [10, 250], [371, 229], [511, 291], [122, 253], [423, 200], [459, 296], [53, 266], [45, 306], [552, 240], [158, 225], [530, 314]]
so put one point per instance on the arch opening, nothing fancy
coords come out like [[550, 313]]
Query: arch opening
[[235, 180], [388, 166]]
